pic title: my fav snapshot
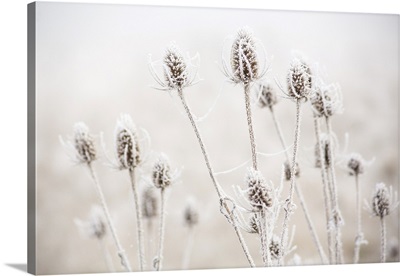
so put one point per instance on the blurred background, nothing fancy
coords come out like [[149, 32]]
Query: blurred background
[[92, 65]]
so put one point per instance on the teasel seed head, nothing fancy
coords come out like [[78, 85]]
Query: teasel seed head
[[325, 145], [355, 164], [326, 100], [288, 171], [161, 172], [299, 80], [127, 146], [191, 215], [175, 68], [84, 144], [149, 203], [98, 225], [253, 226], [244, 60], [275, 247], [381, 201], [268, 96], [259, 195]]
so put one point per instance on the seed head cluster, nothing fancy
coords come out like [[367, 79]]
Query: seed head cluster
[[244, 60], [175, 69], [299, 80], [84, 144], [259, 195], [268, 96], [326, 101], [381, 201], [127, 146]]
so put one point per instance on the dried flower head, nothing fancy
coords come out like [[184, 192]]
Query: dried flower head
[[299, 80], [275, 247], [355, 164], [177, 69], [84, 144], [149, 203], [162, 176], [267, 97], [95, 225], [126, 141], [191, 215], [327, 100], [253, 226], [325, 145], [288, 171], [382, 201], [259, 195]]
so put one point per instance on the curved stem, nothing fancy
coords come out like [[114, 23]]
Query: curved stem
[[289, 200], [217, 187], [250, 125], [121, 251], [138, 210]]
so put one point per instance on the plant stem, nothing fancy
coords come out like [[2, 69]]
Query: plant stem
[[161, 230], [250, 125], [140, 241], [289, 200], [334, 197], [188, 249], [383, 240], [106, 254], [299, 193], [217, 187], [325, 184], [121, 252], [359, 237], [261, 225]]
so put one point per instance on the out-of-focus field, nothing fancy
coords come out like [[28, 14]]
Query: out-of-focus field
[[92, 65]]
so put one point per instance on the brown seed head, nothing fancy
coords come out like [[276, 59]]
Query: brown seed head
[[244, 61], [299, 80], [84, 143], [253, 225], [275, 247], [259, 195], [127, 147], [161, 173], [326, 101], [268, 96], [191, 216], [175, 69], [381, 204], [288, 171], [355, 164]]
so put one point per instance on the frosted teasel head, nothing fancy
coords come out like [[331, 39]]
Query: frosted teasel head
[[326, 156], [384, 201], [127, 144], [245, 66], [95, 225], [81, 147], [299, 80], [327, 99], [162, 176], [149, 203], [190, 214], [288, 171], [259, 194], [266, 95], [355, 164], [178, 71], [275, 247]]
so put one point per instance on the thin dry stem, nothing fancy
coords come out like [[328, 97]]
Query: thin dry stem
[[218, 188], [121, 251], [326, 193], [383, 240], [188, 248], [359, 236], [106, 255], [250, 125], [161, 231], [138, 210]]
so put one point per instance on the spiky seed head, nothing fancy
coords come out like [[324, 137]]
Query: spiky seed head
[[84, 144], [259, 195], [326, 156], [127, 146], [191, 215], [268, 96], [381, 201], [97, 225], [253, 225], [288, 171], [355, 164], [149, 203], [244, 60], [299, 80], [175, 69], [161, 172], [275, 247], [326, 101]]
